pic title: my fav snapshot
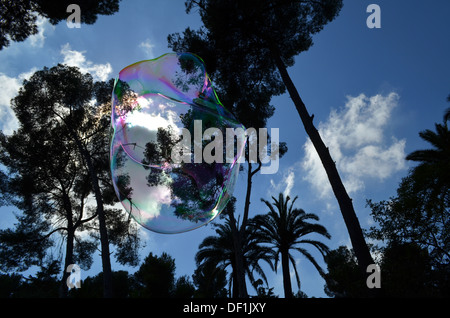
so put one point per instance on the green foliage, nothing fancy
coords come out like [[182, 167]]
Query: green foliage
[[54, 162]]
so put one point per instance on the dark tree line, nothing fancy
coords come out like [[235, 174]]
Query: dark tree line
[[155, 278], [57, 162], [412, 228]]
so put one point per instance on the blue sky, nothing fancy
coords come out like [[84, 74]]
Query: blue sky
[[371, 91]]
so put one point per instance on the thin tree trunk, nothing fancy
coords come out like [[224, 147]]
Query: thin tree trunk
[[104, 241], [68, 260], [238, 235], [239, 285], [241, 232], [63, 291], [345, 202]]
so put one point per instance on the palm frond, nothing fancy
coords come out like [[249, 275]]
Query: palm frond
[[294, 265], [285, 225], [311, 259]]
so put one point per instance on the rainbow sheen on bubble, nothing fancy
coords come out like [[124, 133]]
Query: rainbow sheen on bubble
[[154, 101]]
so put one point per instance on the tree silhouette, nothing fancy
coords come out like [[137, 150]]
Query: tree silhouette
[[447, 111], [343, 278], [58, 157], [437, 158], [407, 271], [270, 34], [210, 281], [419, 212], [247, 95], [46, 183], [18, 18], [156, 276], [92, 287], [218, 251], [417, 219], [284, 227]]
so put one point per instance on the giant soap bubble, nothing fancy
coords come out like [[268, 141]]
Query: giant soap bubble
[[160, 108]]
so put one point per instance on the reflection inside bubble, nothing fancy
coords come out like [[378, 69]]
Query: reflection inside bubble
[[157, 176]]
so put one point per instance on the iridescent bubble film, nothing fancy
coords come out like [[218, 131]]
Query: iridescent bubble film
[[160, 109]]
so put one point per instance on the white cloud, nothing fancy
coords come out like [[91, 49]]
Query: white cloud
[[289, 181], [9, 86], [76, 58], [37, 40], [285, 185], [356, 139], [147, 48]]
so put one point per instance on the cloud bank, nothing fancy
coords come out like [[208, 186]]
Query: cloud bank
[[355, 136], [99, 72], [147, 47], [9, 86]]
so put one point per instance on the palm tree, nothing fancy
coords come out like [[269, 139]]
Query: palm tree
[[440, 140], [447, 113], [433, 170], [284, 227], [219, 250]]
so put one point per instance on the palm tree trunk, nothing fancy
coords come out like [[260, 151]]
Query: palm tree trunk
[[286, 274], [345, 202]]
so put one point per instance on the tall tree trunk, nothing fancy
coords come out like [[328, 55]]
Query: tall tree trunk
[[287, 285], [241, 233], [239, 285], [238, 235], [63, 291], [235, 287], [345, 202], [68, 260], [104, 241]]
